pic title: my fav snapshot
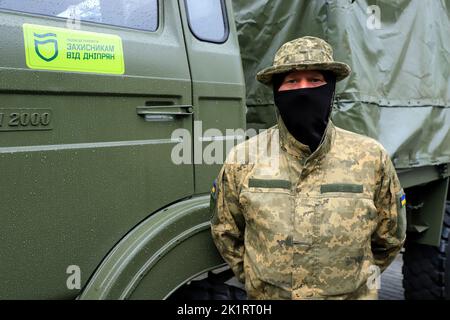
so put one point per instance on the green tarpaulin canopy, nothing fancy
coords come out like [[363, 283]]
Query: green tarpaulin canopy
[[399, 91]]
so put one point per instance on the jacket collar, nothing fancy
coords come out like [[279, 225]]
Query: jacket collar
[[299, 150]]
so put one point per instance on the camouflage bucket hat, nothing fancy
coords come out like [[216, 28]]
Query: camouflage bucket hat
[[306, 53]]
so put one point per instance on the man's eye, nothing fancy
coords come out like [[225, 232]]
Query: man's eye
[[317, 80], [291, 81]]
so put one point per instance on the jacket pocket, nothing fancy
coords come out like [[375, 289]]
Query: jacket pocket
[[345, 219], [268, 240], [345, 228], [267, 209]]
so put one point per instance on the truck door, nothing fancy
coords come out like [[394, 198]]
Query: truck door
[[90, 93], [218, 83]]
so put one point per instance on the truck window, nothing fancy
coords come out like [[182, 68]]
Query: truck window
[[135, 14], [207, 20]]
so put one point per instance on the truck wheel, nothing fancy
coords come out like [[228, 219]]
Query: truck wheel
[[213, 287], [426, 269]]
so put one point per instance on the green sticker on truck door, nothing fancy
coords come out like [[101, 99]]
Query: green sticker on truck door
[[50, 48]]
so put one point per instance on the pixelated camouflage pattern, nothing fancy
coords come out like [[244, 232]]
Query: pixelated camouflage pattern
[[296, 242], [306, 53]]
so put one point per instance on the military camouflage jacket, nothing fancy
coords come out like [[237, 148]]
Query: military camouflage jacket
[[296, 225]]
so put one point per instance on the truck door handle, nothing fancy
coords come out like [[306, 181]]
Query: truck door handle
[[164, 113]]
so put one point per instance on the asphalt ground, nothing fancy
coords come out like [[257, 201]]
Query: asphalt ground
[[391, 281]]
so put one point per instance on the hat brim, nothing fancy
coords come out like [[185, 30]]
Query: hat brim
[[341, 70]]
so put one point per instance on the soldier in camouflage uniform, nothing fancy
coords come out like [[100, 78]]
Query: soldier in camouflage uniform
[[316, 223]]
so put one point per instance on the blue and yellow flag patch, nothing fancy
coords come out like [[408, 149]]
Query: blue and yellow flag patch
[[403, 200], [214, 189], [212, 203]]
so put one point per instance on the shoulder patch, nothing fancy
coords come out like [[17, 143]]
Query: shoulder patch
[[212, 203], [401, 214], [214, 189]]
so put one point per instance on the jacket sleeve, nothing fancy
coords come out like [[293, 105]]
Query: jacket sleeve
[[227, 221], [390, 202]]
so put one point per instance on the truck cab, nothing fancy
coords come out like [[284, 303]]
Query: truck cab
[[93, 93]]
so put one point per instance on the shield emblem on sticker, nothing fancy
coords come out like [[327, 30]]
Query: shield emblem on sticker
[[46, 46]]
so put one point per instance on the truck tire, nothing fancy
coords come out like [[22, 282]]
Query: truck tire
[[211, 288], [426, 269]]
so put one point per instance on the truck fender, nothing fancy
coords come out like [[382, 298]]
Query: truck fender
[[159, 255]]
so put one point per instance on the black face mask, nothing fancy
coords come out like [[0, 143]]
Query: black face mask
[[306, 112]]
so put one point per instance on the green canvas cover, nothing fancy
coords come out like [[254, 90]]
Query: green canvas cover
[[399, 90]]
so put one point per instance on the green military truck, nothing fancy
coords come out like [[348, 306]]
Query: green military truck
[[98, 200]]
